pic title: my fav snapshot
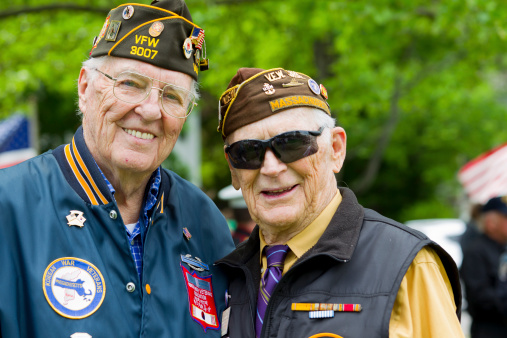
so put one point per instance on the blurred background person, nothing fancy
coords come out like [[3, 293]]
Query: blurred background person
[[240, 222], [484, 272]]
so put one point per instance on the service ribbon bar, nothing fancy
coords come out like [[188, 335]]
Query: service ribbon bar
[[326, 307], [321, 314]]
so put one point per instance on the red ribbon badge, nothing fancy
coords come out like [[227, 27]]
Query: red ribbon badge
[[200, 298]]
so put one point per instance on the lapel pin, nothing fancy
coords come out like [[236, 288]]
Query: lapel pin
[[76, 218], [187, 234], [194, 263], [80, 335]]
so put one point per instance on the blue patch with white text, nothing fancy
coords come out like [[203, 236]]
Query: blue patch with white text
[[73, 287]]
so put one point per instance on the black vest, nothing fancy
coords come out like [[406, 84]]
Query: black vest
[[361, 258]]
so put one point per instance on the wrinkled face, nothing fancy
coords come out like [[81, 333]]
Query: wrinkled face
[[285, 198], [128, 137]]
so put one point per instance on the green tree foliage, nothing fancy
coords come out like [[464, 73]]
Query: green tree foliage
[[418, 85]]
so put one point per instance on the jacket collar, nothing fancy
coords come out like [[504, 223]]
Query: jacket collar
[[82, 172], [339, 240]]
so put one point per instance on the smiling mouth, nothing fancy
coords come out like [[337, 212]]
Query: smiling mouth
[[278, 192], [138, 134]]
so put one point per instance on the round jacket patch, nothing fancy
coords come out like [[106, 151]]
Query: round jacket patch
[[73, 287]]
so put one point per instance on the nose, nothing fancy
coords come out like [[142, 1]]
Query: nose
[[271, 165], [150, 108]]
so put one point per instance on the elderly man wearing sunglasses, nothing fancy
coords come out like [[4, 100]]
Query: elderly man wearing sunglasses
[[319, 264], [96, 238]]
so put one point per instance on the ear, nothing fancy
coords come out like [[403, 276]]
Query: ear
[[234, 176], [82, 85], [339, 148]]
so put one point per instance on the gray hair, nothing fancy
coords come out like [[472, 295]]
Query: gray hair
[[99, 62], [323, 119]]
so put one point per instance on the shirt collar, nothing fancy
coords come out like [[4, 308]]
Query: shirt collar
[[307, 238], [150, 200]]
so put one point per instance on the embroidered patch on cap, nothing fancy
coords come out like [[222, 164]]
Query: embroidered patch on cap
[[200, 298], [73, 287]]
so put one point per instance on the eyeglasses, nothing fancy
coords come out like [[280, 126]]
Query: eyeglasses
[[132, 87], [288, 147]]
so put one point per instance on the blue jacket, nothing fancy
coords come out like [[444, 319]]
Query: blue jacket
[[67, 267]]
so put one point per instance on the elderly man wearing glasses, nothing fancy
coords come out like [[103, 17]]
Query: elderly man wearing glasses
[[319, 264], [96, 239]]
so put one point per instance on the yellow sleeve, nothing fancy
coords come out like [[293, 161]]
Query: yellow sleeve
[[424, 306]]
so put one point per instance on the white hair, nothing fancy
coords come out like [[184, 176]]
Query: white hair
[[323, 119], [99, 62]]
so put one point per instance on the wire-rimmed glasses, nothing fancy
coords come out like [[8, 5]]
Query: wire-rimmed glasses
[[132, 87]]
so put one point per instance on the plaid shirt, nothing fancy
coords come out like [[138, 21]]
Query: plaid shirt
[[135, 239]]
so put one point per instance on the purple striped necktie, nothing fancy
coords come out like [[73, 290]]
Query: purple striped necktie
[[275, 255]]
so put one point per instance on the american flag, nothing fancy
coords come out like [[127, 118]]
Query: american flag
[[15, 141], [485, 177], [197, 37], [200, 39]]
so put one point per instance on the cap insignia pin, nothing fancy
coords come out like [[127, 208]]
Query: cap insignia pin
[[314, 87], [76, 218], [292, 83], [203, 60], [197, 56], [156, 29], [112, 30], [204, 64], [294, 74], [187, 48], [268, 89], [323, 91], [128, 12]]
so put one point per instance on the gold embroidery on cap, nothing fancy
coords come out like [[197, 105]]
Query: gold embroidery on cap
[[229, 95], [144, 51], [276, 75], [298, 101]]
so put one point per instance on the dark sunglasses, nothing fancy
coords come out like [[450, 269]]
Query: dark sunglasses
[[288, 147]]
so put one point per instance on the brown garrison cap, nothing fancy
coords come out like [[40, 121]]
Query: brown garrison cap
[[161, 34], [254, 94]]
